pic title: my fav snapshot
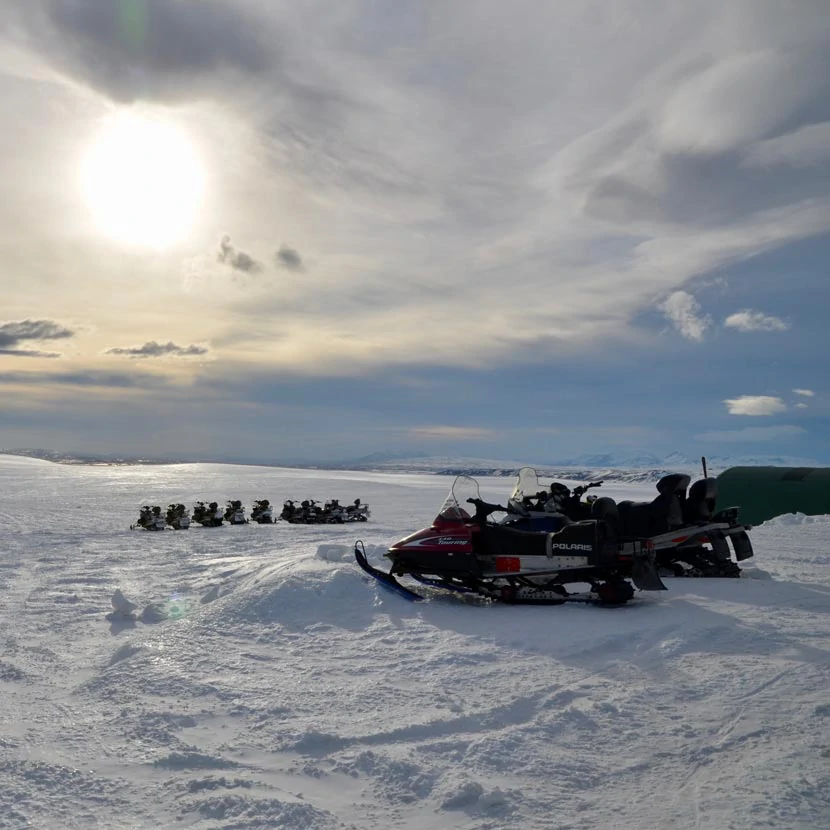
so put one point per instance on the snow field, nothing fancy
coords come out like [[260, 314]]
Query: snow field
[[267, 683]]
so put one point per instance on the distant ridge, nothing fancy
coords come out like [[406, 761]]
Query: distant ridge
[[73, 458], [636, 466]]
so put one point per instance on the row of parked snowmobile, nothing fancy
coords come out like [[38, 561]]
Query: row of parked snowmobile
[[552, 545], [309, 511], [210, 514]]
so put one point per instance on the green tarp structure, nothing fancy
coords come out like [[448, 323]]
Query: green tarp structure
[[763, 493]]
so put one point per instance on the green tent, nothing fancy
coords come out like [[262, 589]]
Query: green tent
[[763, 493]]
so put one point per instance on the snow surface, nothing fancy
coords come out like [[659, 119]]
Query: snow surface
[[253, 677]]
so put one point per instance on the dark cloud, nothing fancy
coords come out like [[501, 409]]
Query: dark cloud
[[29, 353], [153, 349], [135, 49], [13, 333], [115, 380], [289, 258], [238, 260]]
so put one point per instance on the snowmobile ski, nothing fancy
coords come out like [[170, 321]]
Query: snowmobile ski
[[385, 579]]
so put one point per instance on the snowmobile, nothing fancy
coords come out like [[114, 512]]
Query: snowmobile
[[235, 513], [290, 511], [298, 514], [473, 555], [690, 537], [150, 518], [309, 512], [207, 515], [357, 511], [177, 517], [262, 513], [333, 512]]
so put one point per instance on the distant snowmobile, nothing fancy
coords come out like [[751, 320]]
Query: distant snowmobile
[[306, 512], [357, 511], [150, 518], [262, 513], [690, 537], [310, 511], [207, 515], [472, 555], [235, 513], [333, 512], [290, 511], [177, 517]]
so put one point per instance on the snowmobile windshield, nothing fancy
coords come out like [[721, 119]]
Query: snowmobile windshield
[[456, 507], [527, 486]]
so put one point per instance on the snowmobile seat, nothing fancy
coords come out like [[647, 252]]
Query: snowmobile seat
[[645, 519], [700, 505], [635, 518]]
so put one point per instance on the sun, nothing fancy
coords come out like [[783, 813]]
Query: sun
[[142, 180]]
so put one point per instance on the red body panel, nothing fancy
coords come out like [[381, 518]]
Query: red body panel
[[442, 537]]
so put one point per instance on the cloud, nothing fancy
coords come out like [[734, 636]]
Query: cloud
[[289, 258], [13, 333], [807, 393], [755, 405], [115, 380], [154, 349], [806, 147], [801, 406], [748, 320], [453, 433], [751, 435], [684, 311], [511, 154], [164, 49], [238, 260]]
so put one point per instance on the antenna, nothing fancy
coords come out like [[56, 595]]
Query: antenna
[[703, 462]]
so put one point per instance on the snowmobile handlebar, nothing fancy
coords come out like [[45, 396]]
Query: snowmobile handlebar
[[584, 488], [484, 509]]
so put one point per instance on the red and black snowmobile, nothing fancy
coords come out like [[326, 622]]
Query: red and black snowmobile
[[463, 551]]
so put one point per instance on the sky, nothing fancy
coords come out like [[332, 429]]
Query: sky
[[265, 230]]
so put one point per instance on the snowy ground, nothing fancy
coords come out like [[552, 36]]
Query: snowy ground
[[268, 684]]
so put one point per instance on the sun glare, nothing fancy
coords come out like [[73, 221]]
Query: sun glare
[[143, 181]]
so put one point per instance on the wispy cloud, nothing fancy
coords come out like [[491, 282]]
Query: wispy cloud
[[807, 393], [449, 432], [748, 320], [236, 259], [751, 435], [684, 311], [113, 380], [14, 333], [154, 349], [755, 405]]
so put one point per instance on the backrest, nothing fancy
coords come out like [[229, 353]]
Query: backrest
[[674, 483], [605, 510], [635, 518], [666, 511], [700, 505]]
